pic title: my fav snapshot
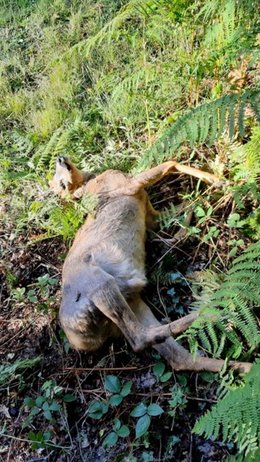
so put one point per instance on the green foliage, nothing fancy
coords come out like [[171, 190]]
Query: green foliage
[[246, 158], [144, 414], [97, 409], [161, 376], [227, 315], [47, 404], [203, 124], [236, 416], [39, 292], [178, 400], [119, 391], [10, 372], [100, 84], [40, 439], [119, 431]]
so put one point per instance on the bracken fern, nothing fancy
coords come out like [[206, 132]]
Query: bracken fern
[[229, 312], [236, 416], [202, 124]]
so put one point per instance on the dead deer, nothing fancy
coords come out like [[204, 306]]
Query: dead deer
[[104, 271]]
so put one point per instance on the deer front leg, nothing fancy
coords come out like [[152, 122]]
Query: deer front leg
[[178, 357]]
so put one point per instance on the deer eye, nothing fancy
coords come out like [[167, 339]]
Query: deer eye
[[62, 184]]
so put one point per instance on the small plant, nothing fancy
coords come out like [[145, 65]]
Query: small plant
[[40, 439], [202, 214], [44, 284], [97, 409], [177, 401], [41, 290], [119, 431], [10, 372], [158, 370], [18, 294], [144, 414], [119, 391], [46, 404]]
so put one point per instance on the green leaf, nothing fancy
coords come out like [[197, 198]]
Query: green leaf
[[35, 411], [123, 432], [233, 220], [112, 384], [37, 439], [57, 390], [47, 415], [54, 406], [39, 401], [45, 406], [154, 409], [142, 425], [110, 440], [126, 388], [31, 295], [53, 281], [165, 377], [29, 401], [115, 400], [117, 424], [199, 212], [139, 410], [68, 398], [158, 369], [97, 409], [208, 376]]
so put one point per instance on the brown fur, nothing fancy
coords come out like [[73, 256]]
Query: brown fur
[[104, 271]]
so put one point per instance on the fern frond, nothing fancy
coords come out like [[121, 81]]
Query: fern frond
[[23, 145], [232, 303], [130, 10], [247, 158], [250, 457], [58, 144], [210, 121], [237, 415]]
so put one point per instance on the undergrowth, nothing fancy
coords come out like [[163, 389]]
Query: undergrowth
[[127, 85]]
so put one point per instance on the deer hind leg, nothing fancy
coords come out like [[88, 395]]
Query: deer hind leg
[[178, 357], [152, 176], [105, 295]]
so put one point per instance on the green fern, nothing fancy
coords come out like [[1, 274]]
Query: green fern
[[58, 144], [109, 31], [251, 457], [247, 158], [236, 416], [227, 313], [203, 124]]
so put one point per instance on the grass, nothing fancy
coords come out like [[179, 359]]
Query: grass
[[105, 83]]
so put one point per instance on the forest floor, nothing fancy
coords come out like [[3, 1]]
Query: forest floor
[[29, 329], [124, 86]]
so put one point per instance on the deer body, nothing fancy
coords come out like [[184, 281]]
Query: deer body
[[104, 271], [107, 255]]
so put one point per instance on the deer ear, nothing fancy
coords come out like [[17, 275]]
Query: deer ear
[[64, 162]]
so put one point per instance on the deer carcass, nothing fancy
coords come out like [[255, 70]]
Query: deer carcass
[[104, 271]]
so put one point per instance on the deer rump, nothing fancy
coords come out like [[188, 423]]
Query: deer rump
[[104, 271]]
